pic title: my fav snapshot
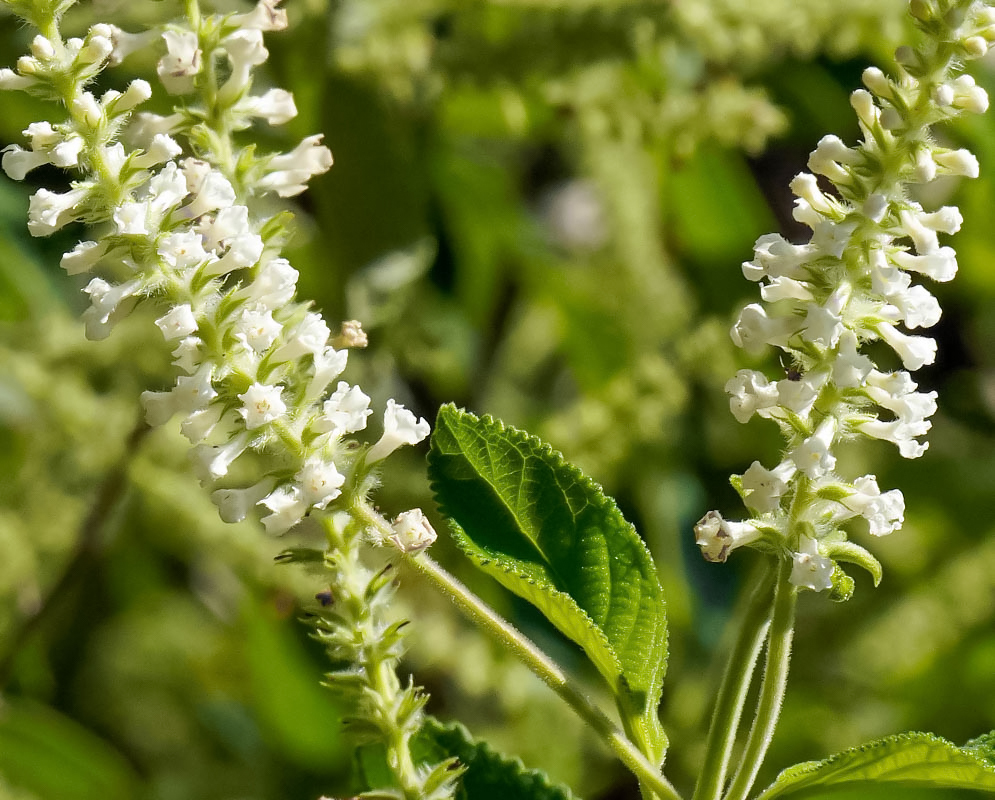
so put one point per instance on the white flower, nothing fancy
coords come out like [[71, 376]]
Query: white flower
[[50, 211], [885, 513], [243, 251], [344, 412], [234, 505], [850, 367], [821, 326], [328, 365], [178, 322], [265, 17], [764, 487], [718, 537], [105, 297], [798, 396], [83, 257], [276, 106], [310, 336], [401, 427], [288, 507], [915, 351], [261, 404], [166, 189], [178, 68], [161, 149], [257, 330], [289, 173], [775, 257], [782, 288], [940, 265], [751, 393], [958, 162], [211, 462], [130, 219], [229, 223], [210, 188], [245, 50], [814, 455], [412, 531], [810, 569], [187, 354], [902, 434], [199, 423], [320, 481], [754, 329], [182, 249], [274, 285]]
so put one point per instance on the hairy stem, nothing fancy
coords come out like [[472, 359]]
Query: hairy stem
[[546, 669], [772, 689], [753, 625]]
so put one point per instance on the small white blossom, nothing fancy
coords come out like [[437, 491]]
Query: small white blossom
[[50, 211], [288, 507], [915, 351], [289, 173], [245, 50], [275, 106], [257, 330], [718, 537], [814, 455], [181, 64], [765, 487], [811, 570], [344, 412], [412, 531], [261, 405], [401, 427], [750, 393], [234, 505], [178, 322], [320, 482]]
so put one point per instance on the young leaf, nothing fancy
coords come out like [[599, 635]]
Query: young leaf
[[908, 759], [488, 775], [550, 535]]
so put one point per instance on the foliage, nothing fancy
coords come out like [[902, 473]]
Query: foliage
[[540, 208]]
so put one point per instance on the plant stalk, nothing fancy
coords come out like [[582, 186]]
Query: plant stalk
[[545, 668], [772, 688], [753, 626]]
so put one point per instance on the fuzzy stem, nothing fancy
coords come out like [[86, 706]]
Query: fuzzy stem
[[772, 689], [753, 627], [547, 670]]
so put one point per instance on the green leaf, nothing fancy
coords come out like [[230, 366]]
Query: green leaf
[[488, 775], [50, 755], [908, 759], [549, 534]]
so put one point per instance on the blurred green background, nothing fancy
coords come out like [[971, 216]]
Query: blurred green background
[[538, 210]]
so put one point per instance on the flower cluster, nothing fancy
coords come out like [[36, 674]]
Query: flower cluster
[[851, 284], [177, 224], [178, 218]]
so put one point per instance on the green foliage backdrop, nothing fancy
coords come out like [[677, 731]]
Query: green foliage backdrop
[[538, 210]]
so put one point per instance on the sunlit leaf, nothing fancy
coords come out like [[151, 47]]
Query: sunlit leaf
[[908, 759], [548, 533]]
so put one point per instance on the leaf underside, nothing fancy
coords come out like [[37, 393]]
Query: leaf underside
[[907, 759], [550, 535]]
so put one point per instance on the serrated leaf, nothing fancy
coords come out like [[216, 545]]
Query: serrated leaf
[[488, 775], [908, 759], [549, 534]]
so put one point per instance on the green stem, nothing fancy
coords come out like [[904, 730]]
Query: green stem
[[752, 627], [775, 681], [546, 669]]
